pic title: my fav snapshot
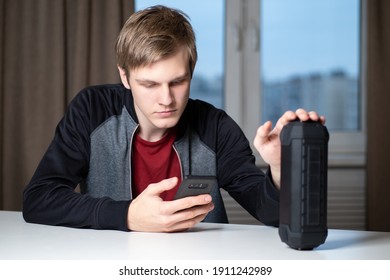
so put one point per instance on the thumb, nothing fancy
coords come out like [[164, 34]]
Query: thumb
[[162, 186], [262, 134]]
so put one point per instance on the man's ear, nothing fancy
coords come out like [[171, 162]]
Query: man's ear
[[123, 76]]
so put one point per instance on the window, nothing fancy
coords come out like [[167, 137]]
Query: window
[[310, 58], [286, 54]]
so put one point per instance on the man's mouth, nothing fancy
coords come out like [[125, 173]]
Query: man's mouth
[[166, 113]]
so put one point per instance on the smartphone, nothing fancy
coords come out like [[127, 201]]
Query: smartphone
[[196, 185]]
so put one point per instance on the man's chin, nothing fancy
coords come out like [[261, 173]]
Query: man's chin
[[167, 124]]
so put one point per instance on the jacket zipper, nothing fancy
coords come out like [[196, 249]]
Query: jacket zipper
[[181, 166], [130, 153]]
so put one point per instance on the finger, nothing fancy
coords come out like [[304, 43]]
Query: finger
[[185, 225], [314, 116], [302, 114], [193, 212], [181, 204], [160, 187], [190, 217], [265, 129], [287, 117], [262, 134]]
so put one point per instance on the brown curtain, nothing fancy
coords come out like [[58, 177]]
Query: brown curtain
[[378, 115], [49, 50]]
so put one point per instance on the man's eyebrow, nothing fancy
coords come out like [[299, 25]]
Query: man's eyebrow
[[143, 81], [146, 80], [182, 77]]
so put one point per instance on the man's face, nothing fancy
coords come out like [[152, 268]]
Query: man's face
[[161, 91]]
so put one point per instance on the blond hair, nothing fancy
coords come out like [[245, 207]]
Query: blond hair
[[153, 34]]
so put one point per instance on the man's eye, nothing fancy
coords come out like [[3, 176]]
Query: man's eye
[[149, 85], [177, 83]]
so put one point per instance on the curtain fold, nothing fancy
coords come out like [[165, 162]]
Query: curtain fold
[[2, 4], [49, 50], [378, 115]]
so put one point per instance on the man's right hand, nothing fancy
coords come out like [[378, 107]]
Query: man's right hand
[[149, 213]]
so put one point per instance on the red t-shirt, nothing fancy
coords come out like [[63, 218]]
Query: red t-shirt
[[154, 162]]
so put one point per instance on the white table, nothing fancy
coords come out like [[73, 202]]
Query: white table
[[21, 240]]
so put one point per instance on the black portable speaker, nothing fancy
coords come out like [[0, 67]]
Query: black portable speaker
[[303, 190]]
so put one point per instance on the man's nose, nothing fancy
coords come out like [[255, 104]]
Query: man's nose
[[166, 97]]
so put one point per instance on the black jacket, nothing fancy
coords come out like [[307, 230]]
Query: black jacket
[[92, 148]]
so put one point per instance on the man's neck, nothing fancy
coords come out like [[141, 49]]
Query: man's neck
[[152, 136]]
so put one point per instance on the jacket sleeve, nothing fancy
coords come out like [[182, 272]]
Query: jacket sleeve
[[50, 197], [238, 174]]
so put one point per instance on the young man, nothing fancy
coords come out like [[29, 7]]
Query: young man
[[130, 145]]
